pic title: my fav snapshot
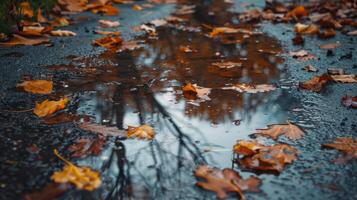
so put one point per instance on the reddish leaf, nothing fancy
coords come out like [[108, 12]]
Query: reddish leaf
[[85, 147], [50, 191], [349, 101]]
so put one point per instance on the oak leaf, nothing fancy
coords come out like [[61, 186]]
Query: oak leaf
[[82, 177], [47, 107], [37, 86], [225, 181], [62, 33], [264, 158], [250, 88], [141, 132], [101, 129], [289, 130], [19, 40]]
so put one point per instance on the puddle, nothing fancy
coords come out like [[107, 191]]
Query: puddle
[[143, 86]]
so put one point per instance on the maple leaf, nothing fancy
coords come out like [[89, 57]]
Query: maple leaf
[[349, 101], [346, 145], [85, 147], [110, 42], [289, 130], [250, 88], [37, 86], [101, 129], [265, 158], [63, 33], [81, 177], [194, 92], [48, 107], [224, 181], [108, 24], [142, 132], [19, 40]]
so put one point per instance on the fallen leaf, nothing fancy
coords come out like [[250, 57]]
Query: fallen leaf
[[333, 45], [316, 83], [82, 177], [298, 12], [352, 33], [226, 30], [302, 55], [109, 42], [227, 65], [137, 7], [345, 144], [158, 22], [50, 191], [141, 132], [225, 181], [335, 71], [310, 68], [344, 78], [26, 10], [19, 40], [108, 9], [101, 129], [306, 29], [130, 45], [349, 101], [47, 107], [298, 40], [186, 49], [251, 88], [328, 33], [33, 30], [108, 24], [117, 33], [37, 86], [85, 147], [264, 158], [73, 5], [194, 92], [274, 131], [62, 33]]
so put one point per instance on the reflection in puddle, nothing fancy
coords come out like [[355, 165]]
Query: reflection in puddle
[[144, 86]]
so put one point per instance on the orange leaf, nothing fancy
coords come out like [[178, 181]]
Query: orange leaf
[[110, 42], [289, 130], [37, 86], [19, 40], [298, 12], [48, 107], [142, 132]]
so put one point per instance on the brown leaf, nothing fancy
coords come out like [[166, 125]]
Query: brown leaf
[[47, 107], [225, 181], [250, 88], [344, 78], [37, 86], [85, 147], [108, 23], [264, 158], [333, 45], [327, 33], [101, 129], [50, 191], [110, 42], [306, 29], [302, 55], [117, 33], [137, 7], [73, 5], [316, 83], [19, 40], [108, 9], [64, 118], [298, 12], [310, 68], [195, 92], [349, 101], [62, 33], [130, 45], [227, 65], [141, 132], [346, 145], [274, 131]]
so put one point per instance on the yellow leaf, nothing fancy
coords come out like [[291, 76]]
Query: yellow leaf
[[81, 177], [37, 86], [48, 107], [142, 132]]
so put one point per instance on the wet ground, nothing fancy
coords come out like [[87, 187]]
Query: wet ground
[[143, 86]]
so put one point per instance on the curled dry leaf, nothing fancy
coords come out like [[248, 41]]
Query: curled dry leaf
[[108, 24], [47, 107], [141, 132], [101, 129], [349, 101], [345, 144], [250, 88], [306, 29], [62, 33], [109, 42], [289, 130], [85, 147], [82, 177], [195, 92], [19, 40], [265, 158], [225, 181], [37, 86]]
